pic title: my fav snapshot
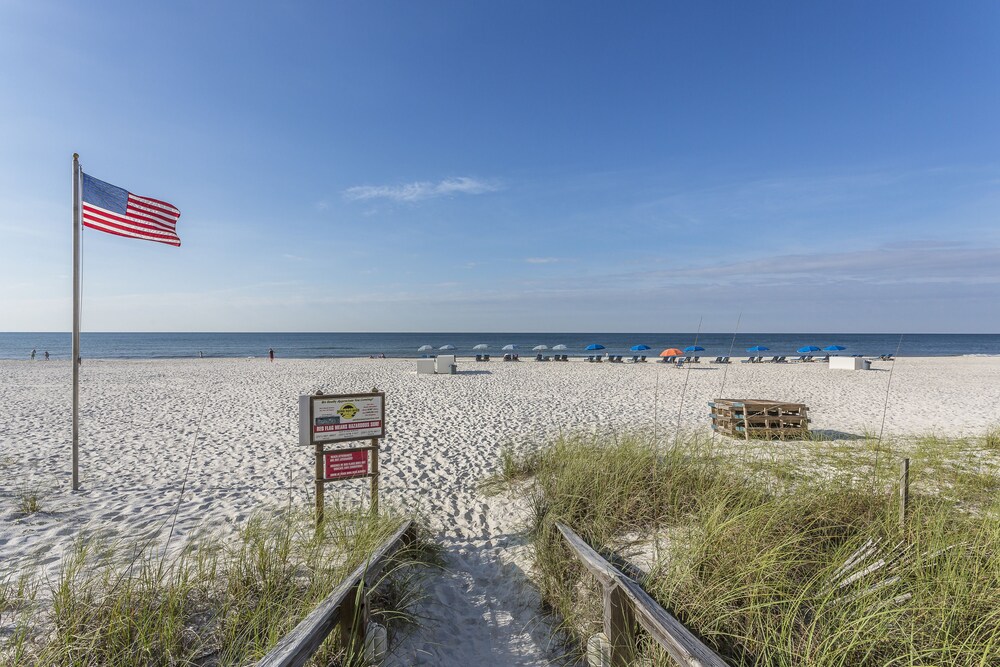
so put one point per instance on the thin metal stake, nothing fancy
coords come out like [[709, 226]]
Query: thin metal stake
[[904, 492]]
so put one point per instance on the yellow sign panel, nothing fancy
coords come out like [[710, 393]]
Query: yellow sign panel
[[347, 411]]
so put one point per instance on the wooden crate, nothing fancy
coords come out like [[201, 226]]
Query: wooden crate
[[752, 418]]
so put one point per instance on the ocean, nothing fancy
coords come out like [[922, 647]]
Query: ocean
[[324, 345]]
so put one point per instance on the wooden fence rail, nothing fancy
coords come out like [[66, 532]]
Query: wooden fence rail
[[626, 605], [346, 606]]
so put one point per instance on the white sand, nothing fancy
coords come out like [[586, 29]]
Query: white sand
[[141, 419]]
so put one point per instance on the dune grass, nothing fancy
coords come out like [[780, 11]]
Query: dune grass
[[29, 500], [742, 544], [216, 602]]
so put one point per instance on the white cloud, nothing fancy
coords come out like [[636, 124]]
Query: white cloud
[[541, 260], [419, 190]]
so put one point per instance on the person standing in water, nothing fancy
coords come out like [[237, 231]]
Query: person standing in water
[[46, 355], [32, 355], [270, 354]]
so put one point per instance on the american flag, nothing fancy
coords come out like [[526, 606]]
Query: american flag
[[115, 210]]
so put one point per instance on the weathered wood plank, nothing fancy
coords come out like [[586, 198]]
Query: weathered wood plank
[[679, 642], [295, 648], [593, 561]]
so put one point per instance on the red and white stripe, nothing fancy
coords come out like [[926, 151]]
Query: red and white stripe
[[145, 218]]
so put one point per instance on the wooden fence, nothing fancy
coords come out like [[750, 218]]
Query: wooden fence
[[346, 606], [627, 605]]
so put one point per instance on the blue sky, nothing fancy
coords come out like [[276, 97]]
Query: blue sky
[[508, 166]]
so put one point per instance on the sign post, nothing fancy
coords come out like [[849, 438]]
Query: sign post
[[330, 419]]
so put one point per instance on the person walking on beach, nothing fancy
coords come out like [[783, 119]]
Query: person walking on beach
[[46, 355], [32, 355], [270, 354]]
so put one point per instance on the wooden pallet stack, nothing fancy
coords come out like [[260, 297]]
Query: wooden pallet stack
[[739, 418]]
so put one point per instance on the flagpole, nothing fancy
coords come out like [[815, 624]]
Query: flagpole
[[76, 321]]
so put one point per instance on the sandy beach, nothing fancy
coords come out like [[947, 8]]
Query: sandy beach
[[235, 420]]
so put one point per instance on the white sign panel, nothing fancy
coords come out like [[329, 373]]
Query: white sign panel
[[341, 418]]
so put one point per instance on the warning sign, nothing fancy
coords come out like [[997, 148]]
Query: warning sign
[[345, 463], [341, 418]]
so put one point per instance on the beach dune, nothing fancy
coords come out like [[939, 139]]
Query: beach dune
[[225, 431]]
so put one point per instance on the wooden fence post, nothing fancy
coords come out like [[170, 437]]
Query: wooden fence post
[[619, 625], [904, 491], [319, 487], [354, 619]]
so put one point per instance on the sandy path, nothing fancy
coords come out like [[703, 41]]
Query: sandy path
[[142, 420]]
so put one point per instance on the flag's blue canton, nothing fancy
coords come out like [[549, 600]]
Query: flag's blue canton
[[105, 195]]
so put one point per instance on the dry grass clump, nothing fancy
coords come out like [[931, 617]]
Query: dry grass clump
[[214, 603], [750, 559], [29, 500]]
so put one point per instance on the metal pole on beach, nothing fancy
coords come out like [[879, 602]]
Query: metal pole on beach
[[76, 321]]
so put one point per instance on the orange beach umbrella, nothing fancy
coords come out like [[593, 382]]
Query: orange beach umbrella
[[672, 352]]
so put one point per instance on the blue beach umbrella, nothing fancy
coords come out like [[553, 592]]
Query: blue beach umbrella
[[447, 347], [758, 348], [694, 348], [594, 346], [481, 346], [539, 348], [807, 348], [640, 348], [510, 347], [834, 348], [424, 348], [559, 347]]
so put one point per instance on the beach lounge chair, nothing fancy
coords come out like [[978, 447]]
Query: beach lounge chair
[[538, 357], [479, 357], [508, 357], [667, 360], [642, 359], [517, 357], [635, 358], [748, 360], [486, 357], [826, 358], [718, 360]]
